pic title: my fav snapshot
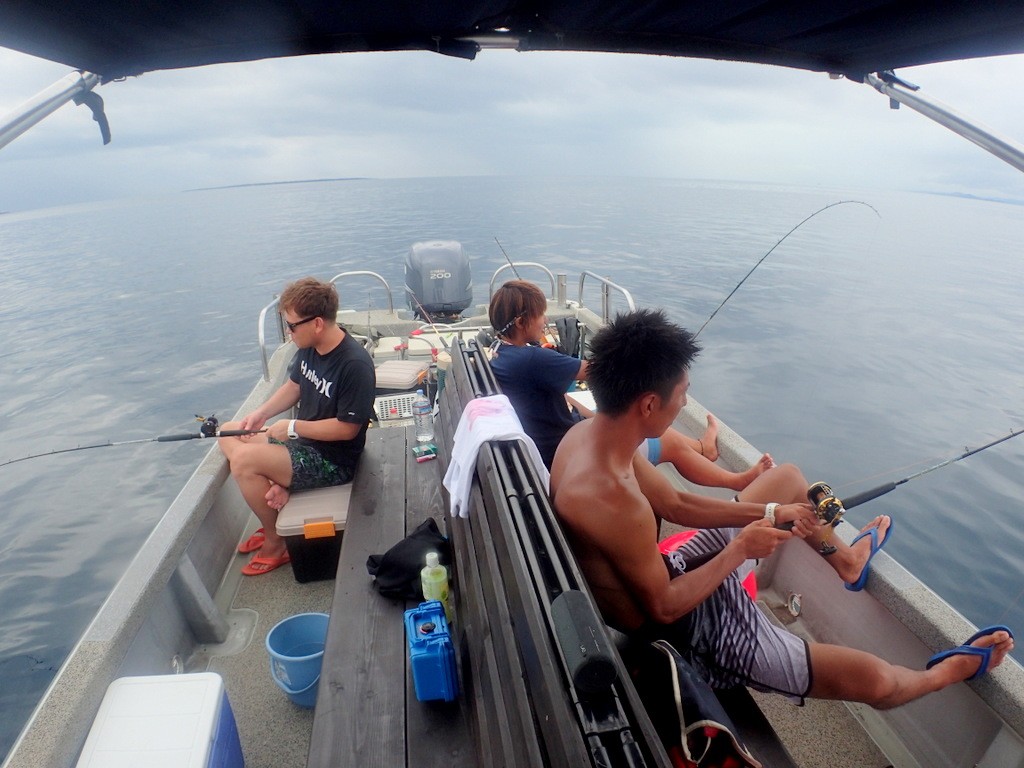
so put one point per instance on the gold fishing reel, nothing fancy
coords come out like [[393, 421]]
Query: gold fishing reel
[[827, 506], [829, 510]]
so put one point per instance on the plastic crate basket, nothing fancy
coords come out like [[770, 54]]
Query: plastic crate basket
[[393, 407]]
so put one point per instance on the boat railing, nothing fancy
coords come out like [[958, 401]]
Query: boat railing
[[261, 330], [262, 335], [607, 286], [368, 273], [514, 266]]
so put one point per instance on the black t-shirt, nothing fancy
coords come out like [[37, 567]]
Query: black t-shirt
[[341, 385]]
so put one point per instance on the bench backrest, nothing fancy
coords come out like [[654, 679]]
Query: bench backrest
[[519, 645]]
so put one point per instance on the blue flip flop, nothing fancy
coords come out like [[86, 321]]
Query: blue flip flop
[[858, 585], [970, 650]]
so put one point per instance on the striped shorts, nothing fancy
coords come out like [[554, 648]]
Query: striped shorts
[[726, 638]]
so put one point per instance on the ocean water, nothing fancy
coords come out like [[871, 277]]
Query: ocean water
[[872, 342]]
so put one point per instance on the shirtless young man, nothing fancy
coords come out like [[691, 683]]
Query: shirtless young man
[[608, 498]]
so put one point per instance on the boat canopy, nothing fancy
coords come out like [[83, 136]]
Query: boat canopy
[[113, 38]]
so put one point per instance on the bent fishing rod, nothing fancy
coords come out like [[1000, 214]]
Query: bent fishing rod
[[210, 429], [781, 240]]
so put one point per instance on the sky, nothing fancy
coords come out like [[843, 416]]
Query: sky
[[417, 114]]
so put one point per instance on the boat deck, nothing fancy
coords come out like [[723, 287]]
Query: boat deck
[[184, 606], [366, 712], [274, 732]]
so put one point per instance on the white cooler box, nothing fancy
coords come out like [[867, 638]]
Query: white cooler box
[[164, 721], [401, 374]]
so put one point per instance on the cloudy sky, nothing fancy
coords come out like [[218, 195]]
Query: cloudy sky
[[419, 114]]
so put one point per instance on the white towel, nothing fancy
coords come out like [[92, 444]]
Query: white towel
[[483, 419]]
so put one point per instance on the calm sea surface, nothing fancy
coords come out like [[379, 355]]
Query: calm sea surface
[[864, 348]]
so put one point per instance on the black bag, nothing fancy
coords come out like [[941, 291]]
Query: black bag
[[690, 720], [397, 572], [568, 336]]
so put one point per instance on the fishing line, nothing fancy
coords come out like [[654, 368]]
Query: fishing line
[[1009, 607], [794, 229], [210, 429], [889, 471]]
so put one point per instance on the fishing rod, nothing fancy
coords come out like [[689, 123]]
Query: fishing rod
[[794, 229], [873, 493], [513, 266], [430, 322], [550, 338], [830, 509], [210, 429]]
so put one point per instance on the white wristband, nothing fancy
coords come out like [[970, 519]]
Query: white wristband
[[769, 512], [292, 434]]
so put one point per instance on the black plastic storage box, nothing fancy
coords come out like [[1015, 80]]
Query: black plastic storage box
[[312, 524]]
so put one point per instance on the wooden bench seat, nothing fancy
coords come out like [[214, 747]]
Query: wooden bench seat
[[512, 563], [366, 711]]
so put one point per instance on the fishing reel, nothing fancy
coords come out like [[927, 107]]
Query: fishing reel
[[210, 425], [829, 509]]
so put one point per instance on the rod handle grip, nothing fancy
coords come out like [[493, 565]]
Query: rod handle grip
[[237, 432], [172, 438], [872, 493]]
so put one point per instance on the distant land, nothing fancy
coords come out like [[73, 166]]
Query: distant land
[[275, 183]]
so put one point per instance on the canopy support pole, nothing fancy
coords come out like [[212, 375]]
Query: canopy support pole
[[900, 92], [76, 86]]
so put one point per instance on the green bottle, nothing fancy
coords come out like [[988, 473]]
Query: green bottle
[[434, 582]]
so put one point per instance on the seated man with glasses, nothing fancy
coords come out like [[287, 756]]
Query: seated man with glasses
[[332, 382]]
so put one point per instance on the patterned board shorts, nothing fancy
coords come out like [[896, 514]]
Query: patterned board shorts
[[727, 638], [310, 469]]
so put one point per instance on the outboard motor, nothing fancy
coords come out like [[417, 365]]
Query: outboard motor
[[437, 276]]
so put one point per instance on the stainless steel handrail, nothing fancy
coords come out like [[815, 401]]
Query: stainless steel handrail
[[606, 286], [512, 266], [261, 336], [261, 330], [367, 273]]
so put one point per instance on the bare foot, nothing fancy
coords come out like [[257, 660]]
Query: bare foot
[[851, 568], [744, 479], [709, 440], [277, 497], [962, 666]]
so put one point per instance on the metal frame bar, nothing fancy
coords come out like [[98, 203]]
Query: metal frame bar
[[512, 266], [1007, 150], [44, 104], [606, 289]]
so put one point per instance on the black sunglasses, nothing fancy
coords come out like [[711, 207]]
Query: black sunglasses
[[297, 323]]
